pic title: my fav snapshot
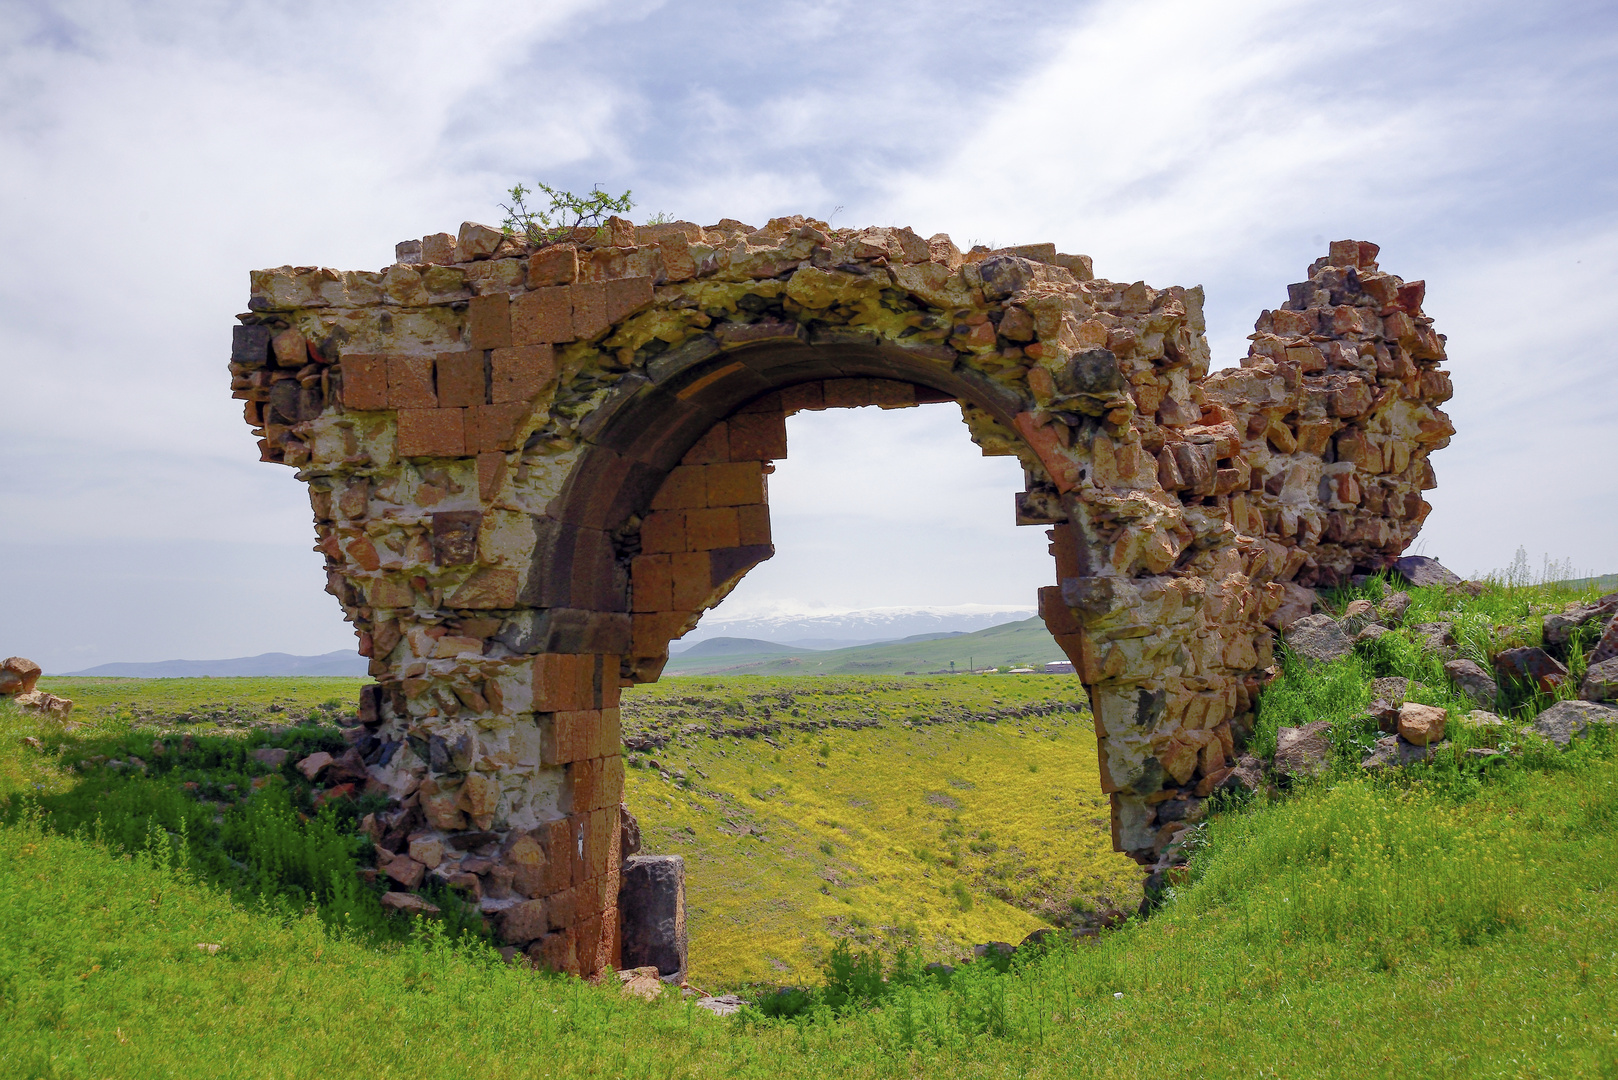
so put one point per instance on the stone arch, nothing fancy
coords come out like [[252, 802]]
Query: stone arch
[[719, 411], [487, 428]]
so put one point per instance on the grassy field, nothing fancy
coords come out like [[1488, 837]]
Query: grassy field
[[1458, 918], [933, 813], [1017, 644]]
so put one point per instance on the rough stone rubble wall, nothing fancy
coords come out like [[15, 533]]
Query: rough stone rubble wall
[[530, 469]]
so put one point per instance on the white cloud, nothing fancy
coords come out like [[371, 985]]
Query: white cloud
[[155, 153]]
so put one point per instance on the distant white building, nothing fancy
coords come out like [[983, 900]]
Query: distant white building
[[1059, 667]]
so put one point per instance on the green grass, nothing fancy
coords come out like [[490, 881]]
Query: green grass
[[933, 816], [1456, 918]]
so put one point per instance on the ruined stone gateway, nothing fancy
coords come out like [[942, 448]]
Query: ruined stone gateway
[[531, 468]]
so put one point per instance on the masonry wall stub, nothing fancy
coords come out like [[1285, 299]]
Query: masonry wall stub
[[532, 469]]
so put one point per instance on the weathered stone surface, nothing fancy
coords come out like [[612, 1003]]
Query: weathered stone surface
[[1559, 627], [18, 675], [1394, 750], [1421, 725], [1607, 647], [312, 765], [271, 757], [1473, 681], [1533, 666], [38, 701], [1303, 751], [1568, 720], [1318, 639], [1422, 571], [409, 903], [651, 904], [1600, 681], [1393, 607], [1436, 637]]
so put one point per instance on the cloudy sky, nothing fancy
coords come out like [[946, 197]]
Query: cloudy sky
[[152, 153]]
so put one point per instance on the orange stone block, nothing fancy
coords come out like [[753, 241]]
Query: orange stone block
[[691, 579], [432, 433], [589, 310], [625, 296], [491, 474], [753, 524], [488, 320], [714, 527], [735, 483], [712, 448], [805, 397], [542, 316], [650, 631], [891, 394], [365, 381], [556, 681], [557, 265], [663, 531], [461, 380], [651, 582], [846, 393], [758, 437], [410, 383], [568, 735], [520, 373], [495, 427], [685, 486]]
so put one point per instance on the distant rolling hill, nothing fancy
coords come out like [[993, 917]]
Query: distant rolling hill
[[1018, 643], [343, 662]]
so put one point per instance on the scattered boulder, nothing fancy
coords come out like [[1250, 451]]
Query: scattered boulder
[[651, 907], [1297, 603], [1248, 773], [1559, 627], [1531, 665], [271, 757], [641, 982], [405, 870], [409, 903], [314, 763], [1568, 720], [1421, 725], [49, 705], [1421, 571], [18, 675], [1393, 607], [1391, 688], [1437, 637], [1318, 639], [1482, 719], [1394, 751], [1357, 616], [1473, 681], [1601, 681], [628, 832], [1607, 647], [1371, 632], [1303, 751], [722, 1005]]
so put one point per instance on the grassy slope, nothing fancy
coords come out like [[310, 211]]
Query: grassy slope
[[1019, 643], [100, 974], [1449, 921], [936, 835]]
